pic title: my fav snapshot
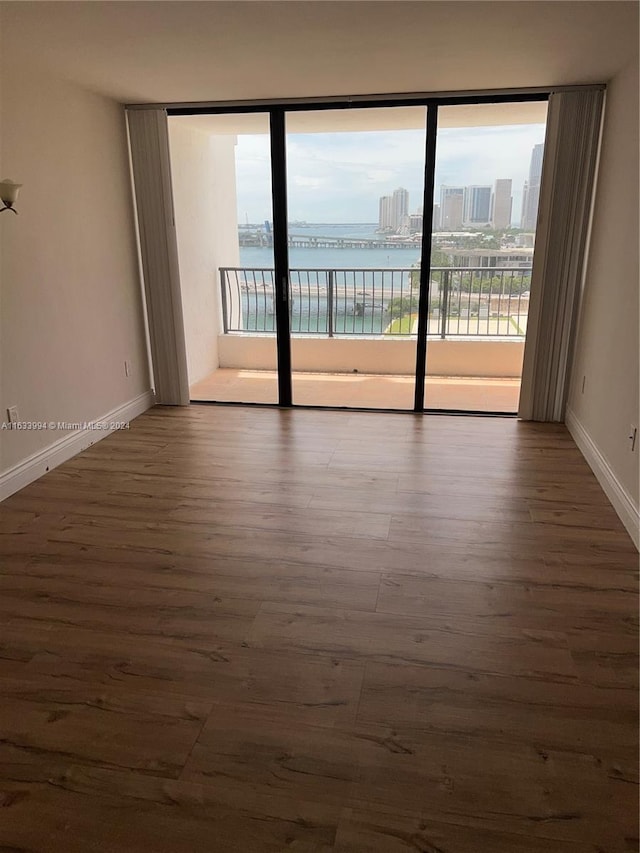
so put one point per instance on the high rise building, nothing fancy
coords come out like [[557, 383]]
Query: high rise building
[[415, 223], [393, 209], [451, 207], [477, 205], [535, 168], [436, 217], [531, 191], [400, 206], [501, 203], [384, 214]]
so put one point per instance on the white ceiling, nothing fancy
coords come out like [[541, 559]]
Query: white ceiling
[[142, 52]]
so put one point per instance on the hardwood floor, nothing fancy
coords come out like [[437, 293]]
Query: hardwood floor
[[247, 630]]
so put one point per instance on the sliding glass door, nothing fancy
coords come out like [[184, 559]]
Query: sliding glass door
[[376, 256], [221, 170], [487, 179], [355, 196]]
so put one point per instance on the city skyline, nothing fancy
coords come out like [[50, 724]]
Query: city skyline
[[457, 207], [340, 177], [480, 205]]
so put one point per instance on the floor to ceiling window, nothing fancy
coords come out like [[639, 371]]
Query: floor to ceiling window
[[487, 186], [319, 263], [355, 185], [221, 169]]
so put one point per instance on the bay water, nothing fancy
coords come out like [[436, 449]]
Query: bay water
[[360, 299]]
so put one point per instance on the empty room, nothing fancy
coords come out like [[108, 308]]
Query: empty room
[[319, 396]]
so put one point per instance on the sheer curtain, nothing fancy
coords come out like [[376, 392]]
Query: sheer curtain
[[566, 195], [149, 142]]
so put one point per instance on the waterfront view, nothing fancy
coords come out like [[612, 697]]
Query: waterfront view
[[323, 257], [339, 289]]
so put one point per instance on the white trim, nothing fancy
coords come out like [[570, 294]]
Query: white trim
[[621, 500], [64, 448]]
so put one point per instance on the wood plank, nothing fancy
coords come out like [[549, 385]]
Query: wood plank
[[536, 606], [369, 829], [541, 714], [83, 808], [469, 780], [247, 749], [356, 635], [177, 614], [228, 577], [104, 725], [316, 690]]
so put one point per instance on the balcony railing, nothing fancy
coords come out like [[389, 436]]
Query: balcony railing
[[463, 301]]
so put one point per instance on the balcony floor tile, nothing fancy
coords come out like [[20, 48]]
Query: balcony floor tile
[[479, 394]]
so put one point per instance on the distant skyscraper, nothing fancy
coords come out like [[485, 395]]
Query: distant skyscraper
[[400, 206], [535, 168], [415, 223], [436, 217], [501, 202], [451, 207], [393, 209], [477, 205], [384, 216], [531, 191]]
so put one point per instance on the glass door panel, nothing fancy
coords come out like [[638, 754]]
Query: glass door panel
[[487, 184], [355, 184], [221, 173]]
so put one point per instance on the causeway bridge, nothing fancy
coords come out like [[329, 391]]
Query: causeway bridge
[[298, 241]]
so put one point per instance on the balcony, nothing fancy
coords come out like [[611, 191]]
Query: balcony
[[354, 334]]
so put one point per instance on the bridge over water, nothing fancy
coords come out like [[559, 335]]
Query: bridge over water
[[299, 241]]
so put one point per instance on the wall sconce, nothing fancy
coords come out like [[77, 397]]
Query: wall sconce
[[8, 195]]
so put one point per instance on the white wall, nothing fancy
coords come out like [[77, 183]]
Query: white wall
[[204, 196], [71, 300], [487, 358], [607, 344]]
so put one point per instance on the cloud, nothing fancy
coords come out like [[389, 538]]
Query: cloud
[[340, 176], [309, 182], [379, 176]]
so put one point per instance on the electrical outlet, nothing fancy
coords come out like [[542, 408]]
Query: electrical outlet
[[633, 437], [12, 414], [127, 368]]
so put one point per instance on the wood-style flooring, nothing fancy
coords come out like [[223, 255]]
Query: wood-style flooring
[[232, 630]]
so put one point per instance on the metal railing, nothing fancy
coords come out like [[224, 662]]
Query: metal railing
[[463, 301]]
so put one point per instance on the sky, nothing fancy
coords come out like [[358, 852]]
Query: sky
[[339, 177]]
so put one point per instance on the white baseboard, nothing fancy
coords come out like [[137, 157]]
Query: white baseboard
[[39, 463], [621, 500]]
